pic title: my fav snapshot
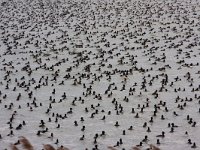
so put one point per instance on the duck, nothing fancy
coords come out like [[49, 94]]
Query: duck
[[161, 135]]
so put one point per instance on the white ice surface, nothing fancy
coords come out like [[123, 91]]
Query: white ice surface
[[57, 25]]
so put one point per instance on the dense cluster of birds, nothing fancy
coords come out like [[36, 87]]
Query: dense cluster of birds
[[100, 74]]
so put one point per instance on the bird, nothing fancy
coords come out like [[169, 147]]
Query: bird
[[82, 138], [161, 135], [57, 141], [194, 145]]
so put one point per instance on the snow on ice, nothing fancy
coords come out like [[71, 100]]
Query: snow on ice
[[100, 74]]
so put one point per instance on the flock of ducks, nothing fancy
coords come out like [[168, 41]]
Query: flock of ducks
[[99, 74]]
